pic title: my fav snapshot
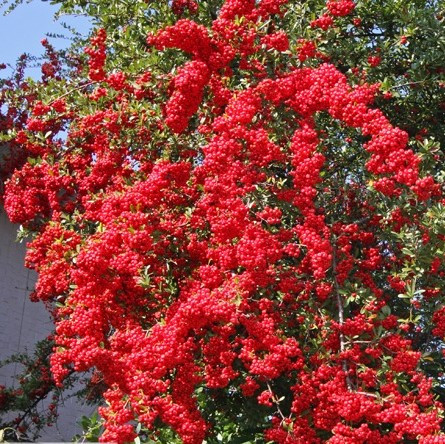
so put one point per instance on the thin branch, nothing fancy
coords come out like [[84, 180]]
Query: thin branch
[[419, 82], [277, 403], [341, 319], [362, 220], [86, 85], [40, 398], [372, 395]]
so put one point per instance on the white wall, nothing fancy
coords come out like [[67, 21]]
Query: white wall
[[23, 323]]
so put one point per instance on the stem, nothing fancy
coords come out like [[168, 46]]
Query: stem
[[372, 395], [86, 85], [40, 398], [276, 402], [341, 319], [419, 82]]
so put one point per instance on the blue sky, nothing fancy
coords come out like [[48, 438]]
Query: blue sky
[[22, 30]]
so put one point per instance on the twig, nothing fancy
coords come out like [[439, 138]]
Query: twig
[[341, 319], [40, 398], [86, 85], [277, 403], [367, 394], [362, 220], [358, 342], [409, 84]]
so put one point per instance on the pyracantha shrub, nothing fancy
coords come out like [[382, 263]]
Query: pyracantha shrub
[[233, 234]]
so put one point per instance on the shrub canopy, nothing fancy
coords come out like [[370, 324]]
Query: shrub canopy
[[237, 215]]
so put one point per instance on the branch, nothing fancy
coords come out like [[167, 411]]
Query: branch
[[419, 82], [341, 319], [367, 394], [277, 403], [40, 398], [86, 85]]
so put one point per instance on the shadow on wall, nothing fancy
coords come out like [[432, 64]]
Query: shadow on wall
[[23, 323]]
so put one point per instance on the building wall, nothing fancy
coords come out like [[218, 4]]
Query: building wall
[[23, 323]]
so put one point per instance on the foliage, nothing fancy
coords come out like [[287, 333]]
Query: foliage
[[237, 216], [23, 414]]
